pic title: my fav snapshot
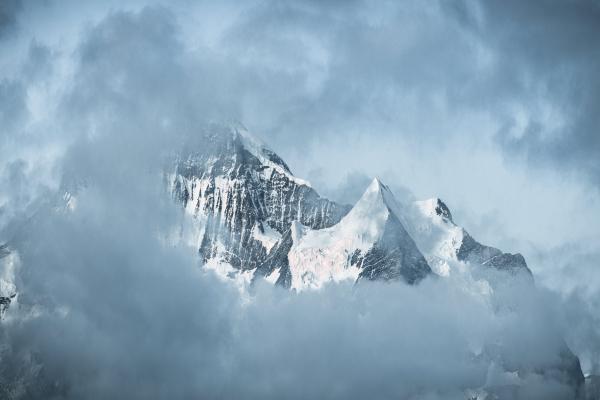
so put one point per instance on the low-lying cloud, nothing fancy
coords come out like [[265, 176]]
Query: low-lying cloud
[[106, 309]]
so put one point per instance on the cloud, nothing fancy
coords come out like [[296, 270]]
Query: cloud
[[8, 16], [113, 312], [107, 309], [547, 50], [529, 67]]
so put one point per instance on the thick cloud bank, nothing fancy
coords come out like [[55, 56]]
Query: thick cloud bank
[[109, 307]]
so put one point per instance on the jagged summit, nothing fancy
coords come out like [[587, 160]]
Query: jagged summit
[[264, 154], [442, 241], [230, 148], [375, 208], [244, 198]]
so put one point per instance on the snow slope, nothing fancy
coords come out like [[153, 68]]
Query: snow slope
[[339, 252]]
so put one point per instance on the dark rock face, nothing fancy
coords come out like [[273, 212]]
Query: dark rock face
[[4, 303], [278, 260], [508, 262], [592, 387], [570, 366], [4, 251], [238, 189], [442, 210], [474, 252], [394, 256]]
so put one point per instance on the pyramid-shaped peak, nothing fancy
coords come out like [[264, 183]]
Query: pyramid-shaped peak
[[376, 198], [374, 192], [382, 190], [374, 186], [377, 186]]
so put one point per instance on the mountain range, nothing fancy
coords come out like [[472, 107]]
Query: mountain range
[[256, 220]]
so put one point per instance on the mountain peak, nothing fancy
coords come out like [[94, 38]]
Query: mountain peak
[[373, 199], [371, 212], [377, 185], [379, 193]]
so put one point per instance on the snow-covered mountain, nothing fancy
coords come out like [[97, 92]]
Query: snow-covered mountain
[[369, 242], [445, 243], [255, 219], [245, 199]]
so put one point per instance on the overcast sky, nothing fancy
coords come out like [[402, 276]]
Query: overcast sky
[[491, 106]]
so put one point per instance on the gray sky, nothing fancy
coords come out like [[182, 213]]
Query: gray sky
[[491, 106]]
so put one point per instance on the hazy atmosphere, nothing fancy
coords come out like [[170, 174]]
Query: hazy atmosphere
[[491, 106]]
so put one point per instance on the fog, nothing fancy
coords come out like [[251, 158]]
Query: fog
[[439, 100]]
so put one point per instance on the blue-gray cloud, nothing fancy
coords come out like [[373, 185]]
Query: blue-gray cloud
[[8, 17], [123, 315]]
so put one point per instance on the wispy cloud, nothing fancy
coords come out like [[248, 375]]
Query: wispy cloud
[[443, 99]]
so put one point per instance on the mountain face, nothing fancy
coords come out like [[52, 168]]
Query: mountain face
[[256, 219], [245, 199], [444, 242]]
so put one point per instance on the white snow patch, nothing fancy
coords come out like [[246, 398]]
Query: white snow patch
[[436, 237], [273, 276], [70, 201], [269, 237]]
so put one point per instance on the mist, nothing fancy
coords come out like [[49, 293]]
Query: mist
[[96, 99]]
